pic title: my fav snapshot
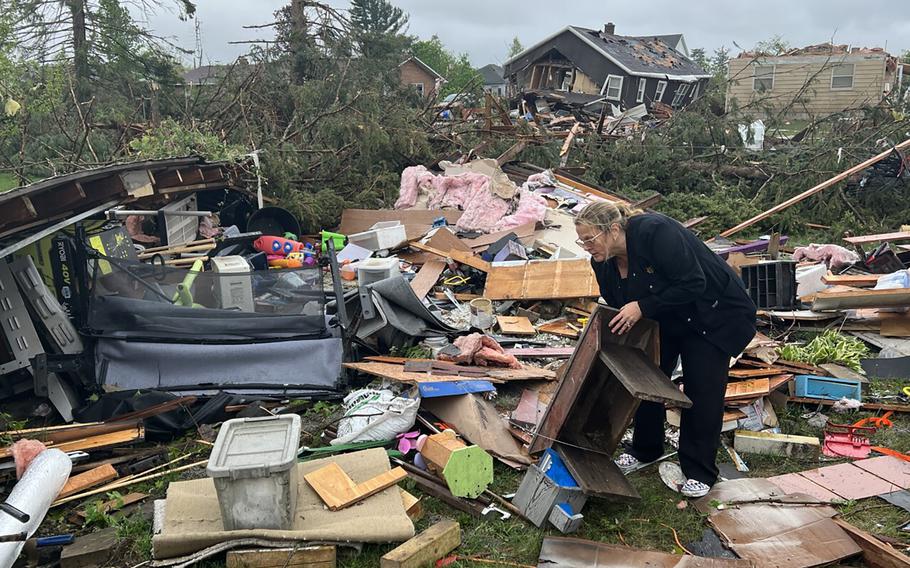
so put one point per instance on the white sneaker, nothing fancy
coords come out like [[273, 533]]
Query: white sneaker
[[694, 488], [628, 463]]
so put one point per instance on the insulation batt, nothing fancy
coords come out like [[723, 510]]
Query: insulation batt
[[24, 452], [481, 350], [833, 255]]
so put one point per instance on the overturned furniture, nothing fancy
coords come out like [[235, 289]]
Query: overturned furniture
[[605, 380]]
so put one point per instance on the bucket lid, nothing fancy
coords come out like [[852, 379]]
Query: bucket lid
[[255, 447]]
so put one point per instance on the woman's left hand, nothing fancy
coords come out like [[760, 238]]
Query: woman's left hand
[[627, 317]]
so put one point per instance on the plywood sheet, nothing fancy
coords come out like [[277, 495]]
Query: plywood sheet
[[879, 238], [338, 490], [795, 483], [896, 327], [397, 373], [427, 277], [523, 232], [889, 468], [515, 325], [641, 377], [849, 481], [577, 553], [542, 280], [417, 222], [752, 388]]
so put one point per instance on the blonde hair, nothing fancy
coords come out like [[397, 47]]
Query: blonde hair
[[603, 214]]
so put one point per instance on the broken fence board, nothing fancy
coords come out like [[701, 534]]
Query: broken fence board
[[425, 548], [296, 557], [427, 277], [87, 480], [461, 256], [338, 490], [542, 280]]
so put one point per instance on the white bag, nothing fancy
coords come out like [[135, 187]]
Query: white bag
[[372, 414]]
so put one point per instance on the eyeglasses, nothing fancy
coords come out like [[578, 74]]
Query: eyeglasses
[[586, 242]]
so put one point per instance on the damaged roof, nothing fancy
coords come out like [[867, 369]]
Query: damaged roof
[[640, 55], [826, 48], [647, 56]]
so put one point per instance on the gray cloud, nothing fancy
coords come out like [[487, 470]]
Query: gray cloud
[[484, 28]]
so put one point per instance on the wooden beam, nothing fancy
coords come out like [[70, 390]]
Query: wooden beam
[[296, 557], [876, 554], [815, 189], [456, 255], [338, 490], [425, 548], [880, 238], [427, 277]]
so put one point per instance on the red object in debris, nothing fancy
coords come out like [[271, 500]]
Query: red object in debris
[[846, 441], [447, 561]]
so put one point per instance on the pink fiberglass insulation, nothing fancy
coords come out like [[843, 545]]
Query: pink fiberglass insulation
[[833, 255], [471, 193], [531, 207], [482, 350], [412, 179], [24, 451]]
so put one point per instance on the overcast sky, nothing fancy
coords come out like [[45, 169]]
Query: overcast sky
[[484, 28]]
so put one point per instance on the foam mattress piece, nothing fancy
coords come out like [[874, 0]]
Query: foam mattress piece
[[193, 518]]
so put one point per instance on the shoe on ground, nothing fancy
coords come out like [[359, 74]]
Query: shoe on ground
[[693, 488], [628, 463]]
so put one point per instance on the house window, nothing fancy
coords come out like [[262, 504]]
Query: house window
[[695, 92], [762, 78], [659, 94], [680, 94], [418, 87], [613, 87], [842, 76], [642, 83]]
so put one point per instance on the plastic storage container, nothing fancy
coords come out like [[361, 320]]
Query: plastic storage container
[[234, 286], [381, 236], [772, 285], [376, 269], [254, 467]]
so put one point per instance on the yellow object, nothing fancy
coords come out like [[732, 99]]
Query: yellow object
[[906, 391]]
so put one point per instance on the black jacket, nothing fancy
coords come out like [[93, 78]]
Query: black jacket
[[678, 281]]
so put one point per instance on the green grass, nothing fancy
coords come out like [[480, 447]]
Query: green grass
[[7, 181]]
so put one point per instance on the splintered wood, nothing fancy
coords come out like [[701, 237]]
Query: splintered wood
[[90, 478], [339, 491], [542, 280]]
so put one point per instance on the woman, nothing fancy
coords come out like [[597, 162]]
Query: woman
[[649, 265]]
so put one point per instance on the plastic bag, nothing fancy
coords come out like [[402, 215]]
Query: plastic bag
[[372, 414], [893, 281]]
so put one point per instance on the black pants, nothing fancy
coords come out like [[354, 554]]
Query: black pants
[[705, 369]]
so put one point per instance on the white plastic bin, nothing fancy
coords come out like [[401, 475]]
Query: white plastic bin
[[234, 284], [254, 467], [376, 269], [381, 236]]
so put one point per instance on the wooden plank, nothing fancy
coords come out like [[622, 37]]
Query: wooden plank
[[456, 255], [753, 388], [444, 239], [425, 548], [297, 557], [596, 473], [396, 372], [815, 189], [754, 373], [640, 376], [843, 300], [767, 443], [90, 478], [586, 188], [879, 238], [93, 549], [339, 491], [522, 232], [515, 325], [896, 327], [427, 277], [416, 221], [413, 506], [94, 442], [876, 554], [559, 327], [778, 381], [542, 280], [541, 352], [857, 280]]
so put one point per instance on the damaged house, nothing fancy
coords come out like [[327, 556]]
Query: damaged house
[[625, 70], [812, 81]]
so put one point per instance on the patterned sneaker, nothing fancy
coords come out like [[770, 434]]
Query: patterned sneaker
[[694, 488], [628, 463]]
